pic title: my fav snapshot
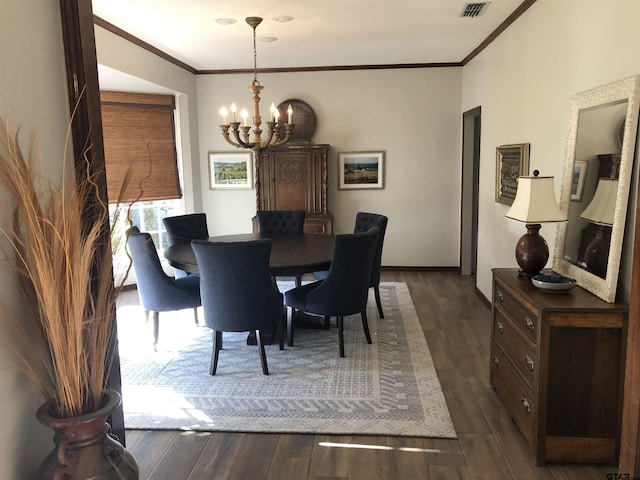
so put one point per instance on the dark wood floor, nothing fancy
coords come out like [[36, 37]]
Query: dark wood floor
[[457, 325]]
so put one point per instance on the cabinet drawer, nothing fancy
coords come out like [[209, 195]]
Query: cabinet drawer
[[516, 396], [523, 317], [516, 345]]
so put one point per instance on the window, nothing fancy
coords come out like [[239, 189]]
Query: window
[[140, 142]]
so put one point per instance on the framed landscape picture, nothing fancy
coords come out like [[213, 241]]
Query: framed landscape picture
[[359, 170], [230, 170], [577, 181]]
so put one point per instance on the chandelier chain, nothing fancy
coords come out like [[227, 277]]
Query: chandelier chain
[[255, 59]]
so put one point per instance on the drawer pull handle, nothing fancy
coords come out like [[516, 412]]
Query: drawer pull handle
[[496, 362], [529, 362], [500, 327], [500, 296], [525, 405], [529, 324]]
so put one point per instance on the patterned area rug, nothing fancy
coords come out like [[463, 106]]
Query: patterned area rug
[[387, 388]]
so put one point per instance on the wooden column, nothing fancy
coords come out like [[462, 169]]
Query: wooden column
[[86, 126]]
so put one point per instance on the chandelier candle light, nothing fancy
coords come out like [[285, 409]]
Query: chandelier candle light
[[274, 125]]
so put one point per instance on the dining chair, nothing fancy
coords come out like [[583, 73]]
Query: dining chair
[[184, 228], [364, 221], [282, 221], [158, 292], [238, 294], [344, 290]]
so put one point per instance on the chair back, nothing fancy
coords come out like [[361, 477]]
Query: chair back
[[238, 293], [345, 289], [157, 291], [365, 221], [281, 221], [186, 227]]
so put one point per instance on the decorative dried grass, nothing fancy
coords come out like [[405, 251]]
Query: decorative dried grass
[[65, 280]]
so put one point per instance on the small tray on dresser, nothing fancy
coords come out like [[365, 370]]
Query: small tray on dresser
[[553, 283]]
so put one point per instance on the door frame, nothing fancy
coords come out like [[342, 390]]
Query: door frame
[[86, 132], [469, 191]]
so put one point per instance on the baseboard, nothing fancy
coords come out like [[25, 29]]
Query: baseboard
[[420, 269]]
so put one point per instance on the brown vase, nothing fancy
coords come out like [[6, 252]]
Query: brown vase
[[83, 447]]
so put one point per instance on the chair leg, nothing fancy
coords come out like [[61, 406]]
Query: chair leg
[[327, 322], [156, 330], [216, 336], [341, 335], [290, 326], [365, 325], [281, 328], [263, 356], [195, 315], [376, 291], [298, 280]]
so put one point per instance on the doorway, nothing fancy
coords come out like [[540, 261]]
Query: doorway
[[470, 187]]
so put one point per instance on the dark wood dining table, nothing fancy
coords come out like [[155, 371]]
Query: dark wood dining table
[[291, 254]]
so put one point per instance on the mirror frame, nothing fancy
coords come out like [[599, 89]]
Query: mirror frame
[[626, 89]]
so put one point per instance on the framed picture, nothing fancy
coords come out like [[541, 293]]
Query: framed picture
[[577, 180], [360, 170], [230, 170], [512, 161]]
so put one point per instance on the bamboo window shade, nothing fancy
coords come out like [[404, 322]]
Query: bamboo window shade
[[139, 134]]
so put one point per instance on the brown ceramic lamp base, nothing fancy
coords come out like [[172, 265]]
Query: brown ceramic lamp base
[[532, 251], [597, 253]]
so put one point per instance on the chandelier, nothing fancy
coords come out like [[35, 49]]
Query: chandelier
[[274, 126]]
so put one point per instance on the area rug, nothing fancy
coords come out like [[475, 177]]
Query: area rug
[[387, 388]]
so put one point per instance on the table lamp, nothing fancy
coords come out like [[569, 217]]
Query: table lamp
[[535, 203], [600, 211]]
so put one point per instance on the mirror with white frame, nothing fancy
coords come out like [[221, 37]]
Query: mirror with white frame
[[595, 185]]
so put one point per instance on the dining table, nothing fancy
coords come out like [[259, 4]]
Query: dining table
[[291, 254]]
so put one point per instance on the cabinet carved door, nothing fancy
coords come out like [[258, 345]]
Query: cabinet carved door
[[295, 178]]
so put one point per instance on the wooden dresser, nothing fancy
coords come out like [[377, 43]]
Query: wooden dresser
[[294, 177], [557, 364]]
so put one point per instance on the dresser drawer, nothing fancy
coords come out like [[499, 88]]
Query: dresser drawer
[[518, 346], [523, 317], [516, 396]]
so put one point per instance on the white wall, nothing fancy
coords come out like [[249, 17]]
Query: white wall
[[524, 82], [413, 115], [33, 86]]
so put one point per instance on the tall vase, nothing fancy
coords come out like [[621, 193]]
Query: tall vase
[[83, 447]]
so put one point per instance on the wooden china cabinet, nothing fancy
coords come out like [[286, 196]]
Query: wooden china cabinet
[[294, 177]]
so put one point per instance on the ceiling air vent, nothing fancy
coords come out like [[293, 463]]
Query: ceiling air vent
[[474, 9]]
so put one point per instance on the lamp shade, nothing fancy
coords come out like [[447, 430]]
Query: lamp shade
[[535, 201], [602, 208]]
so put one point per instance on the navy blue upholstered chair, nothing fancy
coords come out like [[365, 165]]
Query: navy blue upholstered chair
[[364, 221], [159, 292], [184, 228], [281, 221], [238, 294], [345, 289]]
